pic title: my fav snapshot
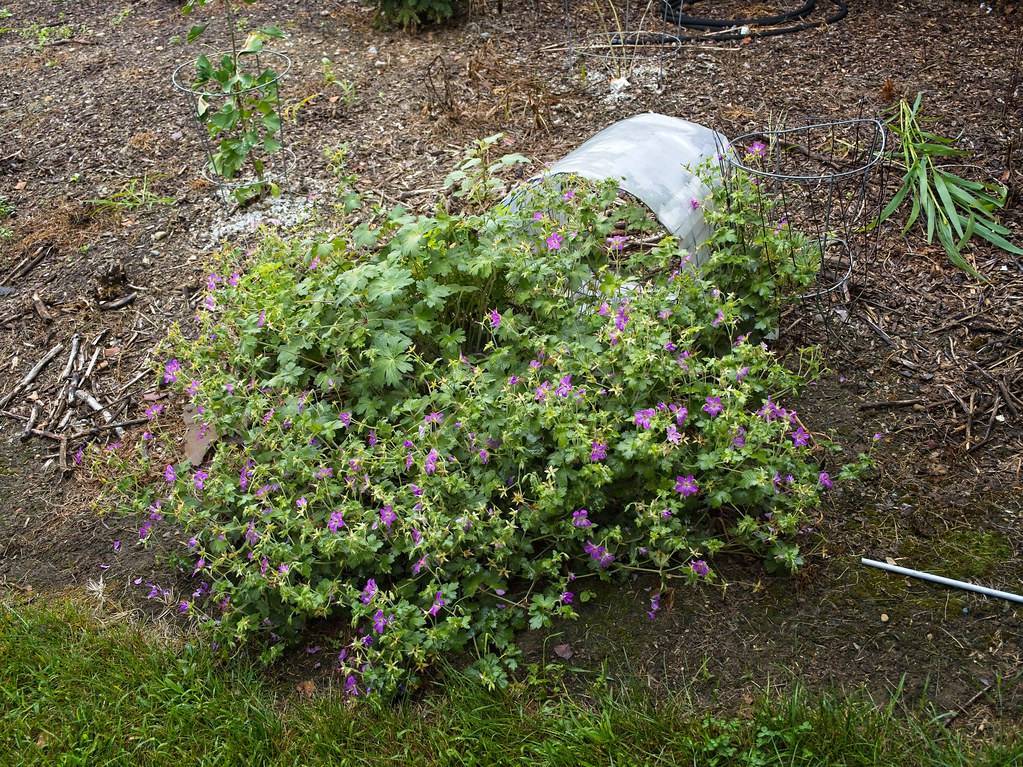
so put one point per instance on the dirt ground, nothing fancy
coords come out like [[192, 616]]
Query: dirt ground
[[930, 358]]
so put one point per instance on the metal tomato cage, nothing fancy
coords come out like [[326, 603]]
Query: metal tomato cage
[[280, 162], [822, 183], [620, 37]]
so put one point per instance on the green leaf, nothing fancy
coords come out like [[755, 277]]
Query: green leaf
[[985, 231], [896, 201], [950, 208], [253, 44], [945, 238], [195, 32]]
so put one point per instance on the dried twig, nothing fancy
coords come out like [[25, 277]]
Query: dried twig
[[31, 375]]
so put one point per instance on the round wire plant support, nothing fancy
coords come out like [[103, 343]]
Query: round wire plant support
[[805, 200], [622, 54], [625, 40], [271, 160]]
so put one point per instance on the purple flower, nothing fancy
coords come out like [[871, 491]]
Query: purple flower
[[388, 517], [621, 317], [598, 452], [655, 605], [379, 622], [617, 243], [169, 475], [681, 413], [800, 437], [79, 456], [438, 602], [345, 419], [371, 439], [301, 503], [568, 195], [420, 563], [713, 407], [694, 204], [567, 597], [740, 438], [541, 391], [599, 554], [666, 514], [369, 591], [538, 216], [484, 456], [233, 279], [825, 480], [580, 519], [555, 241], [245, 474], [604, 309], [431, 418], [183, 607], [153, 411], [699, 567], [336, 521], [351, 687], [170, 371], [564, 386], [674, 437], [251, 536], [512, 380], [718, 318], [757, 149], [430, 465], [417, 491], [261, 320], [741, 373], [642, 418], [283, 568], [686, 486], [670, 346], [199, 479], [495, 319]]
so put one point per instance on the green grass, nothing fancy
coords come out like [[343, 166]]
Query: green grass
[[75, 691]]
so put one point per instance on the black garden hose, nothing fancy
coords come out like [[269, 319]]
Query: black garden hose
[[765, 26]]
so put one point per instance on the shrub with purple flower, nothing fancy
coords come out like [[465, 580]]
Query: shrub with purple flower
[[484, 445]]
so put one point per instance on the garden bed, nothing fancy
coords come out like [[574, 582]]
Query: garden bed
[[920, 361]]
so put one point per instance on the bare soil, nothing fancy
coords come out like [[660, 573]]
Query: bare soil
[[930, 358]]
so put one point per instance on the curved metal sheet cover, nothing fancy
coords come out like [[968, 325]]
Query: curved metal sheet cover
[[651, 155]]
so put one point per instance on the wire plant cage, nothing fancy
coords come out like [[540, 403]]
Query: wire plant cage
[[239, 120], [623, 39], [809, 197]]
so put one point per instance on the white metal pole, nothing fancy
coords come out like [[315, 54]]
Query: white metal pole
[[942, 580]]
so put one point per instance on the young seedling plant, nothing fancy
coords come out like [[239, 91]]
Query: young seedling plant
[[238, 105]]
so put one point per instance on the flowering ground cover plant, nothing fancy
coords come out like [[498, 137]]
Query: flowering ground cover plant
[[441, 428]]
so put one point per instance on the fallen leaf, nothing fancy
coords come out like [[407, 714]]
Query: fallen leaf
[[307, 688], [198, 436], [563, 651]]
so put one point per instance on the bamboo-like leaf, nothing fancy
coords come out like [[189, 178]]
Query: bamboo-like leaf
[[996, 239], [950, 209], [896, 201], [954, 254]]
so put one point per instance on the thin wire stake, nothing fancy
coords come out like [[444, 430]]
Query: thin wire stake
[[950, 582]]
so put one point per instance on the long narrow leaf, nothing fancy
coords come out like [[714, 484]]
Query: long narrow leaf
[[996, 239], [950, 209], [896, 201], [954, 255]]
